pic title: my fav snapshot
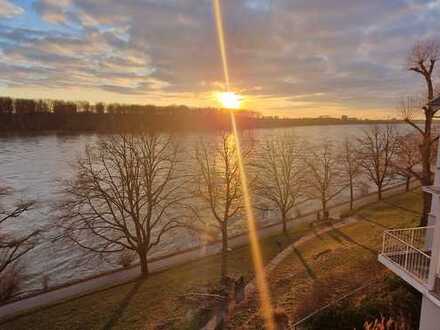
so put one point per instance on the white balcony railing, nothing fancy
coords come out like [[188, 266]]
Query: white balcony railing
[[409, 249]]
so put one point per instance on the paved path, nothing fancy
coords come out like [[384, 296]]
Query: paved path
[[105, 281]]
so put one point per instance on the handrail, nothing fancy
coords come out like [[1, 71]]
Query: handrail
[[407, 244], [407, 229]]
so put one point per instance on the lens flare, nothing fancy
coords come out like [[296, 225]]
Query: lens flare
[[260, 274]]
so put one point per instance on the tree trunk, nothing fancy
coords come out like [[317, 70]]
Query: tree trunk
[[143, 260], [425, 148], [379, 192], [324, 210], [351, 196], [427, 177], [224, 264], [407, 183], [284, 219], [426, 151], [426, 209]]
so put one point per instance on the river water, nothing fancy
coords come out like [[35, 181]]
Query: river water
[[34, 165]]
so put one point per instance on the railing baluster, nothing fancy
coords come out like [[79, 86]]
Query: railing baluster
[[412, 244], [405, 247], [406, 256]]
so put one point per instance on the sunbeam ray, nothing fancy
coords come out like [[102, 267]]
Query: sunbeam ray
[[260, 275]]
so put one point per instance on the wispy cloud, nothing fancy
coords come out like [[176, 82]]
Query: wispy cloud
[[9, 10]]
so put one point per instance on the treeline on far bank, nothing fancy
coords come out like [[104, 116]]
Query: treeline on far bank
[[28, 115]]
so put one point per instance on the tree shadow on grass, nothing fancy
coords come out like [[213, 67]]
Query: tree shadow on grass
[[335, 235], [303, 261], [123, 305], [351, 240], [402, 208], [284, 241], [364, 218], [317, 233]]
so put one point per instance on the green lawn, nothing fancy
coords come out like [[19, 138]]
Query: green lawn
[[334, 263], [140, 305]]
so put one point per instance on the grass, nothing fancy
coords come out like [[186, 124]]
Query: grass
[[142, 304], [334, 263]]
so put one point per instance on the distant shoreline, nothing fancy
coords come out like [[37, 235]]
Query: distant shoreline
[[94, 123]]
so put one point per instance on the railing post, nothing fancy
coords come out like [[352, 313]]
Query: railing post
[[435, 256], [406, 256]]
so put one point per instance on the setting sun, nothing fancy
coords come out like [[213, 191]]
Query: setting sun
[[230, 100]]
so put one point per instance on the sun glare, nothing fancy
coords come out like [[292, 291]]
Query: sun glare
[[229, 100]]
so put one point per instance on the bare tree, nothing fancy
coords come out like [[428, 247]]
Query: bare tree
[[350, 167], [13, 248], [377, 148], [127, 196], [280, 179], [219, 189], [422, 60], [324, 177], [408, 161]]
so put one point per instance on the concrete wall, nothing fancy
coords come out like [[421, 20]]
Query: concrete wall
[[430, 315]]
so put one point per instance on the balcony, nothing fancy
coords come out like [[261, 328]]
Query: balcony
[[407, 252]]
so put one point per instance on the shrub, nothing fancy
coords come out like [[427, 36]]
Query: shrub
[[394, 299], [390, 324]]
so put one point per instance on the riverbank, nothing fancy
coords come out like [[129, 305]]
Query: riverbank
[[188, 264]]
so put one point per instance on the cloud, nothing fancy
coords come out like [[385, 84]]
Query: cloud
[[9, 10], [53, 11], [291, 54], [97, 60]]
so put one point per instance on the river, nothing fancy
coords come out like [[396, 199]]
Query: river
[[33, 167]]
